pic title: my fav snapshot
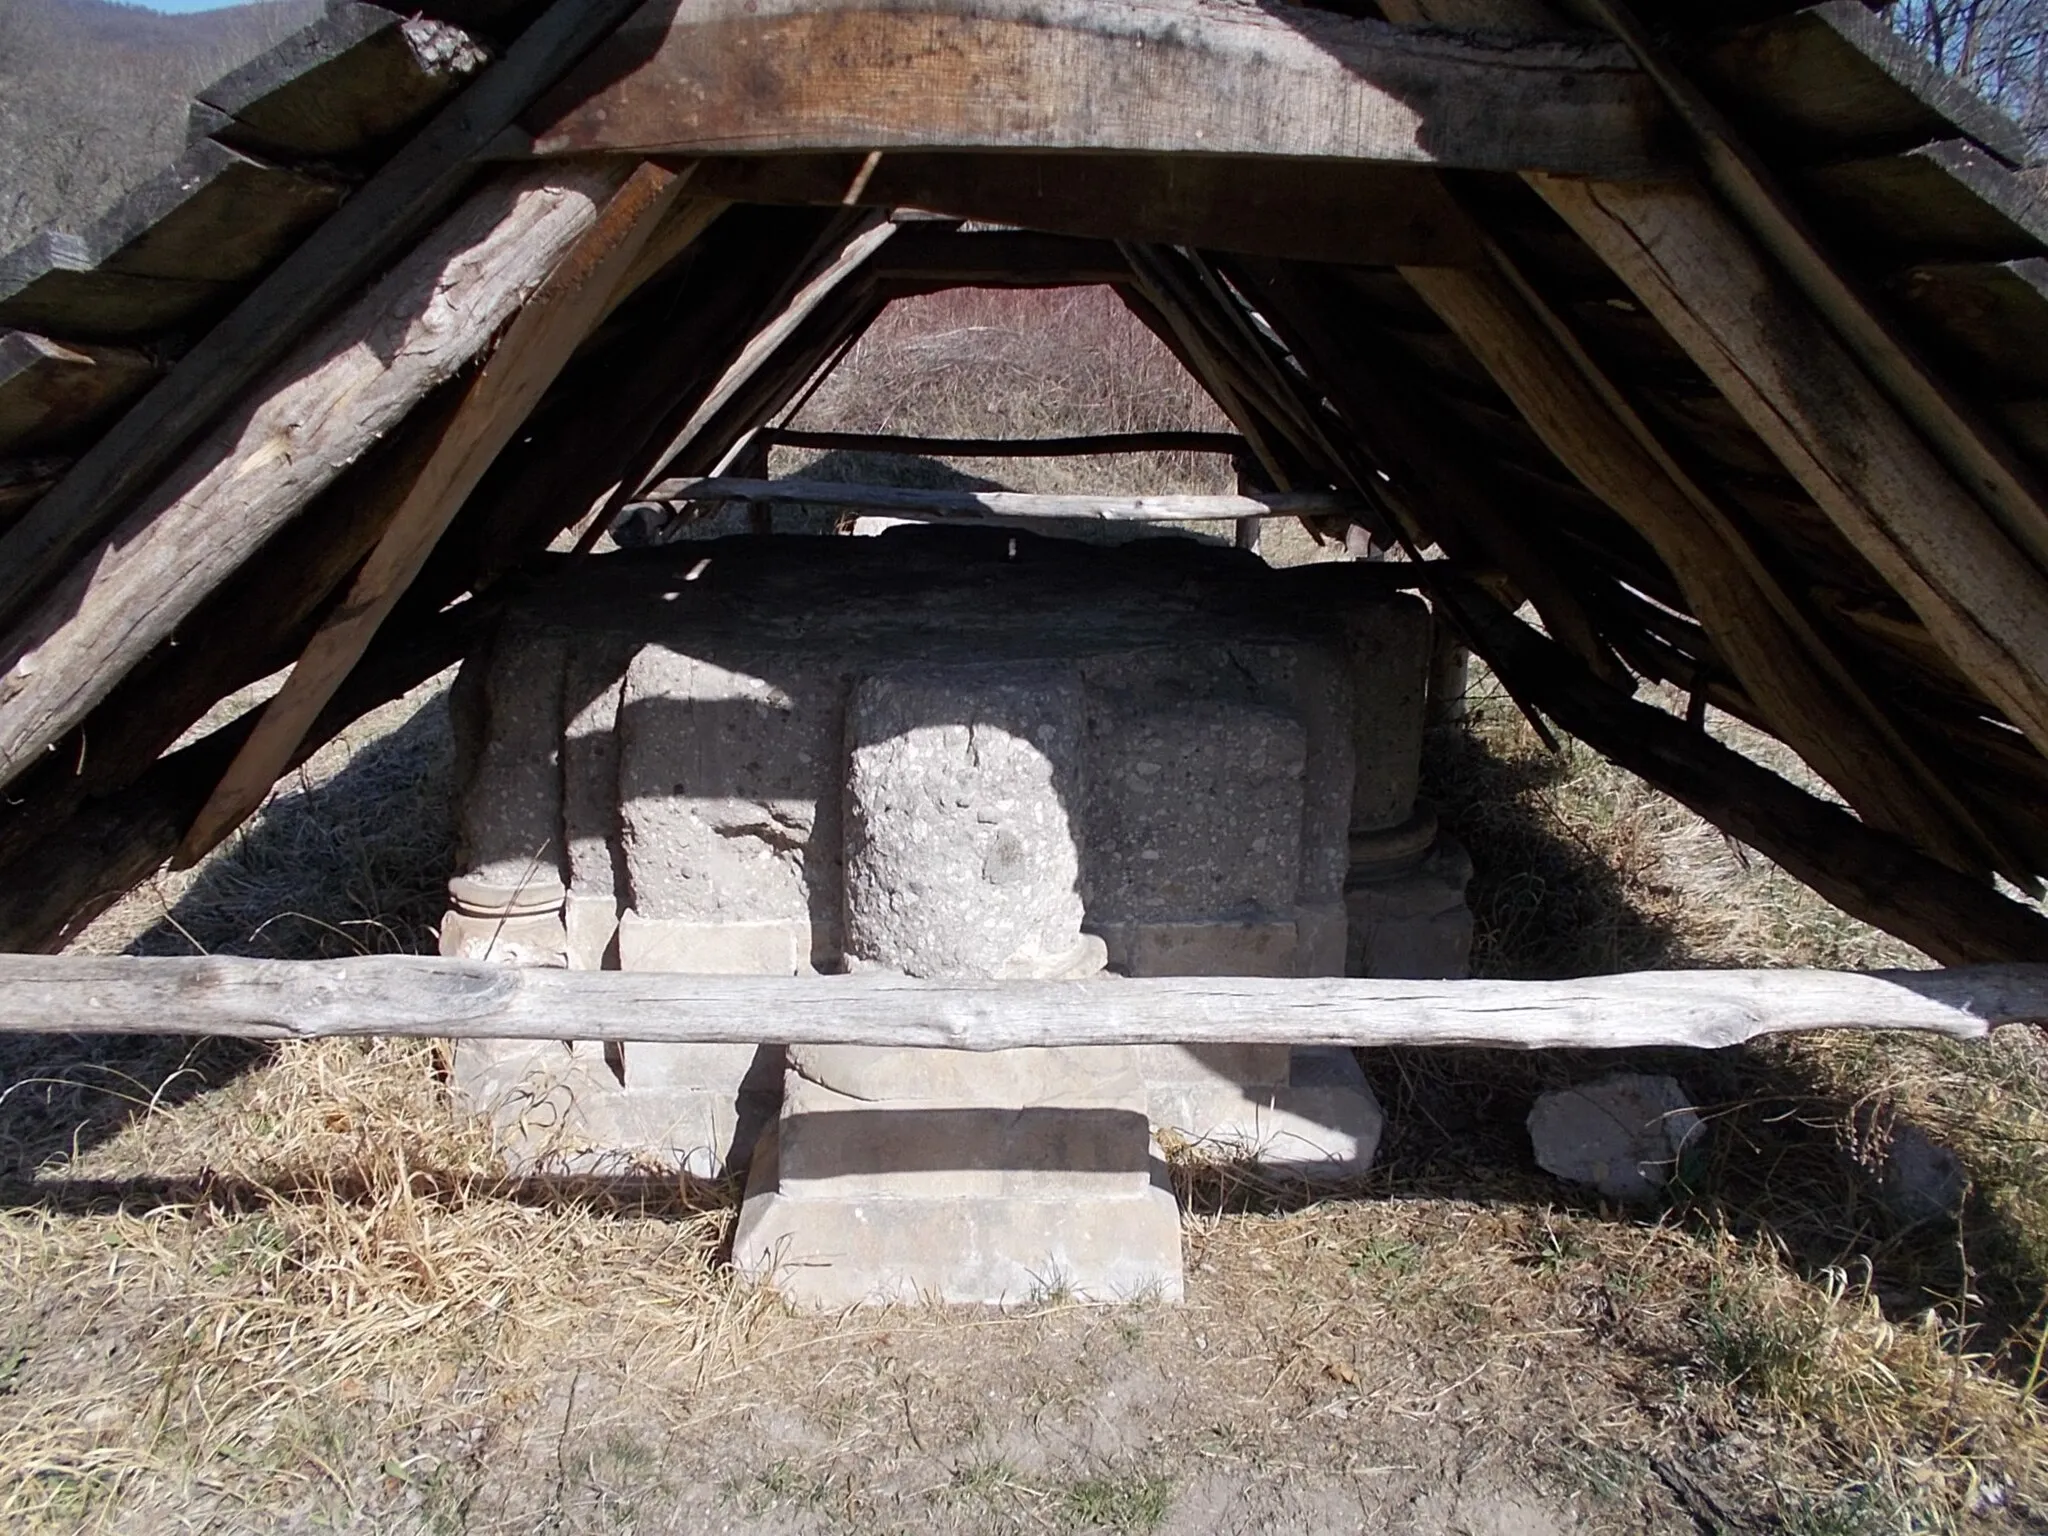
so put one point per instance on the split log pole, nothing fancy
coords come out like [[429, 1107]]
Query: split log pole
[[424, 996]]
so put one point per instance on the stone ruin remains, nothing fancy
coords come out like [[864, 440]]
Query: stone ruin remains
[[947, 753]]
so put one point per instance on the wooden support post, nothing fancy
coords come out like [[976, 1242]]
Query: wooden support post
[[425, 321], [419, 995], [548, 328]]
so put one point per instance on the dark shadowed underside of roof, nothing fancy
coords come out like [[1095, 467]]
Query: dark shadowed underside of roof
[[1717, 332]]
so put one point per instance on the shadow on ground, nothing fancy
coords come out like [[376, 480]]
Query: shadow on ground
[[353, 864]]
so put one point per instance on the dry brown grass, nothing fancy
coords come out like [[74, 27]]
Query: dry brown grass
[[250, 1290]]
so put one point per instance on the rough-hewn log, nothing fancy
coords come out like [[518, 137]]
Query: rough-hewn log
[[720, 76], [561, 313], [1088, 446], [323, 406], [1316, 210], [415, 186], [420, 995], [932, 254], [903, 501]]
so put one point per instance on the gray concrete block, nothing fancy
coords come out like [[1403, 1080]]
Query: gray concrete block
[[1389, 644], [961, 820], [509, 803], [1623, 1134], [970, 1250]]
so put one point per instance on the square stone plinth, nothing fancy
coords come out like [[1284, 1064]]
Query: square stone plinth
[[955, 1176]]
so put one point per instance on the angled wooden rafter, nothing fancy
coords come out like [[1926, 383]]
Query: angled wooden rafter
[[551, 324]]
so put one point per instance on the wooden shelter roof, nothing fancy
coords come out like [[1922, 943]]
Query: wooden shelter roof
[[1716, 331]]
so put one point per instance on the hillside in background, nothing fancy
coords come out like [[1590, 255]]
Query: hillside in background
[[94, 96]]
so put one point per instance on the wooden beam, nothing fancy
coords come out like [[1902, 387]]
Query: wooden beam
[[975, 506], [934, 254], [1328, 210], [1805, 690], [561, 313], [1177, 76], [1974, 450], [414, 187], [1090, 446], [52, 391], [1867, 873], [357, 377], [1784, 369], [421, 995]]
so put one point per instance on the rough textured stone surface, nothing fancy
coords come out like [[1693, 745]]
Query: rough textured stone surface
[[1623, 1134], [963, 789], [509, 814], [729, 775], [1389, 644], [733, 948], [1413, 924], [1920, 1180]]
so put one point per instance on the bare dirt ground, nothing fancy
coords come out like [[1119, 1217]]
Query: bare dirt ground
[[258, 1290]]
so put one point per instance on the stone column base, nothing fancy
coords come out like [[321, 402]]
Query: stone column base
[[1323, 1124], [954, 1176], [983, 1250]]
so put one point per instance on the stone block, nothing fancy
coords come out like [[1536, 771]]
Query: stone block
[[731, 948], [1003, 1079], [1322, 1123], [833, 1145], [540, 939], [1413, 925], [729, 786], [1624, 1134], [961, 844], [960, 1249], [1389, 644], [509, 807], [1202, 1066], [589, 922], [1194, 811]]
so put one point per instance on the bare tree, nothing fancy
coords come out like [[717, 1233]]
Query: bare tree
[[1999, 46]]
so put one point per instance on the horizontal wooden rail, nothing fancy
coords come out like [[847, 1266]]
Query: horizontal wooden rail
[[419, 995], [903, 501], [1007, 447]]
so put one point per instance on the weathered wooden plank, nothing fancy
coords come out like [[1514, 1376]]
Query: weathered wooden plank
[[23, 482], [423, 995], [417, 185], [214, 219], [1949, 201], [325, 404], [1969, 444], [1005, 447], [52, 391], [1987, 320], [971, 506], [850, 262], [1834, 79], [339, 87], [718, 76], [1349, 211], [547, 328]]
